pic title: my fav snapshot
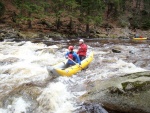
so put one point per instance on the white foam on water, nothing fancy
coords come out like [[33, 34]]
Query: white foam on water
[[56, 98], [3, 110], [113, 67], [31, 67], [53, 46], [125, 67], [19, 105]]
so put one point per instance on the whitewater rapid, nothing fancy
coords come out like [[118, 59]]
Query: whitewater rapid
[[26, 86]]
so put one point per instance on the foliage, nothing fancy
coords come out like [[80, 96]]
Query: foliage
[[87, 12], [145, 24], [91, 11], [123, 21], [58, 8], [27, 8], [135, 22], [71, 6], [2, 9], [114, 8]]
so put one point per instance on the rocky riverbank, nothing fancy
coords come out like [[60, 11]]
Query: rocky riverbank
[[125, 33]]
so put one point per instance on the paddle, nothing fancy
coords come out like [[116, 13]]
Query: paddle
[[74, 62]]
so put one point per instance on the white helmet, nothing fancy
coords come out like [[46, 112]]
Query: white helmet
[[81, 40]]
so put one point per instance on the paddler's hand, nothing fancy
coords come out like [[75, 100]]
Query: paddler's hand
[[66, 57], [80, 65]]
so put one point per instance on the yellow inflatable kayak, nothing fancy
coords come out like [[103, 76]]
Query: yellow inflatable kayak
[[61, 70], [144, 38]]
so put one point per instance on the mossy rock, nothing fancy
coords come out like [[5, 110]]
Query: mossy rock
[[129, 93]]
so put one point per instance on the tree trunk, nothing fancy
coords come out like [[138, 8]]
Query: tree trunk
[[45, 8], [70, 24], [87, 28], [109, 9], [29, 24], [29, 21], [58, 23], [14, 16], [44, 22]]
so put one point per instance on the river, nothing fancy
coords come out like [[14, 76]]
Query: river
[[26, 86]]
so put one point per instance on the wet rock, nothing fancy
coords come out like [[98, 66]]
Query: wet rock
[[127, 94], [1, 39], [55, 35], [92, 108], [50, 49], [2, 35], [8, 61], [117, 49], [123, 37], [26, 35], [131, 52]]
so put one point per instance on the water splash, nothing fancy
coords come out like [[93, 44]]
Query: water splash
[[27, 73], [55, 98]]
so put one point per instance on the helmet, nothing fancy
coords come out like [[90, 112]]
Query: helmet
[[81, 40], [70, 47]]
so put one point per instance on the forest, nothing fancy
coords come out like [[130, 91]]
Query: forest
[[35, 36], [71, 16]]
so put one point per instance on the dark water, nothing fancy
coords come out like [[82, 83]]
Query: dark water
[[74, 41], [94, 42]]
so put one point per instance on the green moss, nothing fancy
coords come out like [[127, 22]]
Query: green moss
[[113, 36], [134, 86], [139, 74]]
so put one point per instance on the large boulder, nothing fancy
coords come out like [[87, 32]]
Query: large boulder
[[26, 35], [127, 94]]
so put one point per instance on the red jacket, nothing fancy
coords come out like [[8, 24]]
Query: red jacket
[[82, 50]]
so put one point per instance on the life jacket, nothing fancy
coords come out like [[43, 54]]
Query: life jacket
[[70, 55], [83, 49]]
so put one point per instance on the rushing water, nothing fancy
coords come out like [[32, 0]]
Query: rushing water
[[26, 86]]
